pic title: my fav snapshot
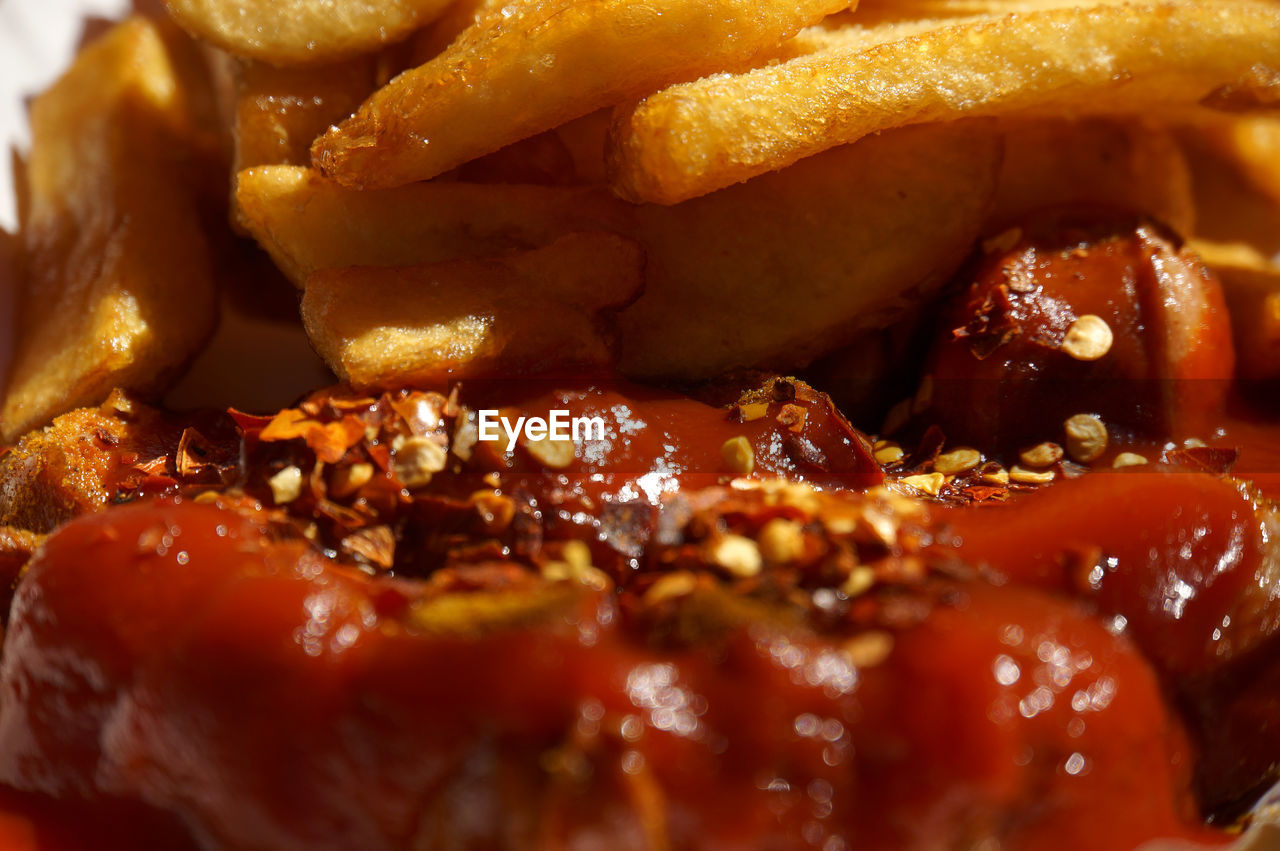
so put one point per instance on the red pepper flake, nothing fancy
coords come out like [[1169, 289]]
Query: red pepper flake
[[329, 441], [249, 424], [194, 451], [793, 417], [1209, 459], [422, 412], [154, 467], [376, 545], [986, 493]]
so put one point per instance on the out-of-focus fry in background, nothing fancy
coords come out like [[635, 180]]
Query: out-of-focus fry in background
[[117, 287], [291, 32], [534, 312]]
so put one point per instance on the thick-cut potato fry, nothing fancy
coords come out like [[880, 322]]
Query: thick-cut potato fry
[[1230, 207], [1253, 144], [534, 312], [542, 160], [297, 32], [460, 16], [876, 11], [786, 267], [307, 223], [1092, 162], [771, 273], [585, 139], [696, 137], [1251, 285], [281, 111], [117, 289], [539, 63]]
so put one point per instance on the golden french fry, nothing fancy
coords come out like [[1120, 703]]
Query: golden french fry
[[881, 21], [1100, 162], [281, 111], [791, 262], [539, 63], [117, 289], [696, 137], [297, 32], [1253, 144], [541, 160], [307, 223], [534, 312], [585, 138], [1251, 285], [903, 10], [460, 16], [1230, 207], [786, 267]]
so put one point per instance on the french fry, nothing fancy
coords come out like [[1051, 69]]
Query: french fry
[[696, 137], [585, 139], [307, 223], [786, 267], [300, 32], [460, 16], [541, 160], [534, 312], [904, 10], [792, 263], [1253, 144], [117, 289], [281, 111], [1098, 162], [1251, 285], [539, 63]]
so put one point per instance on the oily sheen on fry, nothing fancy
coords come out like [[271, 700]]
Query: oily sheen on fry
[[697, 137], [540, 63]]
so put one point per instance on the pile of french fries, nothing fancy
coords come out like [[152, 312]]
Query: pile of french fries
[[668, 189]]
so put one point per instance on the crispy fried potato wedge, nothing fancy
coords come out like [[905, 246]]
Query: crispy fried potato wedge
[[117, 289], [1100, 162], [1230, 206], [1251, 284], [1253, 144], [771, 273], [697, 137], [307, 223], [534, 312], [902, 10], [298, 32], [539, 63], [281, 111], [460, 16], [541, 160], [786, 267]]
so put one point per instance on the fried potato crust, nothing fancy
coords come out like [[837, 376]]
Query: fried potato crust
[[693, 138], [296, 32], [117, 289], [529, 312], [539, 63]]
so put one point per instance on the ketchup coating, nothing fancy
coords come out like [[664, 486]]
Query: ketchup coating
[[1185, 565], [175, 654], [657, 442], [1179, 556]]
